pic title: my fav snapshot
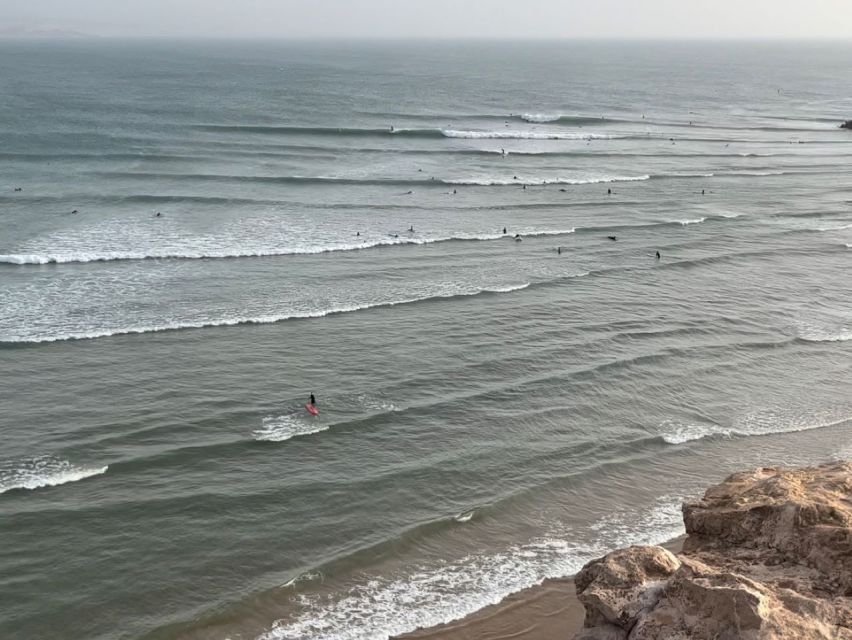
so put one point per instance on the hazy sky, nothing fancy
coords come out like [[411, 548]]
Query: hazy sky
[[437, 18]]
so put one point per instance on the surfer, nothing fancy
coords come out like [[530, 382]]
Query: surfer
[[609, 192], [702, 192], [411, 229], [504, 231], [559, 251], [391, 129], [358, 234], [75, 211], [658, 255], [313, 400], [159, 215], [613, 238]]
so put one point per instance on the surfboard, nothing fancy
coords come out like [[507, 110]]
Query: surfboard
[[311, 409]]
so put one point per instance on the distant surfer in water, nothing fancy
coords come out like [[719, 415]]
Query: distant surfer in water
[[358, 234], [411, 229], [658, 255], [504, 231], [559, 251], [313, 400]]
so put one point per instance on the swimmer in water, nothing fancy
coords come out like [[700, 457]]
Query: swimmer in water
[[159, 215], [613, 238]]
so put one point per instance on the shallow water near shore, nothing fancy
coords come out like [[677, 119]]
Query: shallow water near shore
[[492, 412]]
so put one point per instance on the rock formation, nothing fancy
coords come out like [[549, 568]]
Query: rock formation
[[768, 556]]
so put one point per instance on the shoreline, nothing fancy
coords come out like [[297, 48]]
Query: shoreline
[[546, 611]]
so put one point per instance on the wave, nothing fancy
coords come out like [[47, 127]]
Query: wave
[[692, 221], [677, 433], [401, 131], [824, 332], [465, 516], [768, 422], [231, 253], [836, 228], [43, 471], [319, 131], [522, 135], [489, 182], [269, 319], [427, 595], [557, 118]]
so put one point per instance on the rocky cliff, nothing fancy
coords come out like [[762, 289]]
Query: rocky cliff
[[768, 556]]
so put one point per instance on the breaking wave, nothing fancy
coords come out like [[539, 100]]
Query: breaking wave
[[42, 471], [268, 319], [233, 252]]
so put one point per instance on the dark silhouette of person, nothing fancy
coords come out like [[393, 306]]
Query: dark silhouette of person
[[313, 399], [658, 255]]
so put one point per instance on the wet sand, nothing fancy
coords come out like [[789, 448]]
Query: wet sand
[[549, 611]]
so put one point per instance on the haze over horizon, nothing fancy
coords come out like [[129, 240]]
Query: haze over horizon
[[802, 19]]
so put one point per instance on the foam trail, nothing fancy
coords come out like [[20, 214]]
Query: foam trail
[[692, 221], [426, 596], [43, 471], [269, 319], [281, 428]]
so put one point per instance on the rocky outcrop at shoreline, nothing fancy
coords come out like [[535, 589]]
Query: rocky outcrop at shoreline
[[768, 556]]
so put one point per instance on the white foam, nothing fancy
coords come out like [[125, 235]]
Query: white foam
[[523, 135], [692, 221], [465, 516], [540, 117], [43, 471], [678, 433], [429, 595], [827, 329], [488, 182], [281, 428]]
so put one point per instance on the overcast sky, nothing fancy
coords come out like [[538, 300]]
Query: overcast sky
[[437, 18]]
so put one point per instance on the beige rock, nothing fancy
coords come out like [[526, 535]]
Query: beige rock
[[769, 556]]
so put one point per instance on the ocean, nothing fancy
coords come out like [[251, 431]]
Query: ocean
[[195, 236]]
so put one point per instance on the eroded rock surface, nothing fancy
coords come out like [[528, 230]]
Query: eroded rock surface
[[768, 556]]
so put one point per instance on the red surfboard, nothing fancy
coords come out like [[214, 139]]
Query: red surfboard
[[311, 409]]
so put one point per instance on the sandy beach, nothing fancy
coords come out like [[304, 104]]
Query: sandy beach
[[549, 611]]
